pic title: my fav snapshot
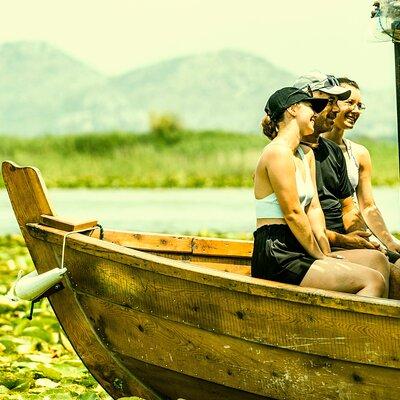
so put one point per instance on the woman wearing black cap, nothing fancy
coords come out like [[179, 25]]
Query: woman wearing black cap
[[290, 244]]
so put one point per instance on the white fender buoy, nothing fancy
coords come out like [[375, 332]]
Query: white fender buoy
[[32, 285]]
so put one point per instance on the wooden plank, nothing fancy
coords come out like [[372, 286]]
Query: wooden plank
[[149, 241], [210, 277], [177, 385], [306, 328], [221, 247], [28, 196], [236, 363], [179, 243], [67, 224], [228, 264], [112, 375]]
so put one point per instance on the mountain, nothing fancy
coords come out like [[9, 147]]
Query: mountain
[[43, 90], [35, 80]]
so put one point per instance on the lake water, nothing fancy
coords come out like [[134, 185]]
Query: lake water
[[172, 210]]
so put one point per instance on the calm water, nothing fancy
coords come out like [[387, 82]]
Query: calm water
[[172, 210]]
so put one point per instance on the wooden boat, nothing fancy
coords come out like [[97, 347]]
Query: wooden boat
[[168, 317]]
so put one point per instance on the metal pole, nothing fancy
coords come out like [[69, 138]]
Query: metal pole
[[397, 69]]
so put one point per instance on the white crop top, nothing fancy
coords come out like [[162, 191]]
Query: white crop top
[[268, 207]]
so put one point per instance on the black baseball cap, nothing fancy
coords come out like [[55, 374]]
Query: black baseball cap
[[286, 97]]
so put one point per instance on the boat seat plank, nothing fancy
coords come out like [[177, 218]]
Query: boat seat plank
[[222, 247], [179, 243], [149, 241], [67, 224]]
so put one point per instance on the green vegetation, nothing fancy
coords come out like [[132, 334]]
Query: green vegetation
[[166, 157], [36, 359]]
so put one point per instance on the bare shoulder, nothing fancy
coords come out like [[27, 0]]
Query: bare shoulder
[[360, 152], [274, 150]]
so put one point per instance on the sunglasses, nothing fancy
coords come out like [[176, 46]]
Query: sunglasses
[[326, 83]]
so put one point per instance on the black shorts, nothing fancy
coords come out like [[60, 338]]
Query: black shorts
[[392, 256], [278, 256]]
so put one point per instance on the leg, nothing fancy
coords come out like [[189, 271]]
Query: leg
[[369, 258], [394, 287], [344, 276]]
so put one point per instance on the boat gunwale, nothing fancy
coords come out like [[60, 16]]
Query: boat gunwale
[[216, 278]]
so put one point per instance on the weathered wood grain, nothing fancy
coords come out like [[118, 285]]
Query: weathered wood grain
[[235, 265], [305, 328], [149, 241], [198, 326], [28, 197], [210, 277], [233, 362], [181, 243], [177, 385], [67, 224]]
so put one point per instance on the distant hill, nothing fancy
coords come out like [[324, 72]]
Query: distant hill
[[43, 90]]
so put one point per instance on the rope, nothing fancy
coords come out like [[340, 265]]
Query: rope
[[78, 231]]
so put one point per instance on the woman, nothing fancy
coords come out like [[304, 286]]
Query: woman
[[359, 167], [290, 244]]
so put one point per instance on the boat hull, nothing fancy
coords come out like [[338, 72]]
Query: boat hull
[[178, 317]]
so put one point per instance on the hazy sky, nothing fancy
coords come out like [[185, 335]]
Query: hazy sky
[[115, 36]]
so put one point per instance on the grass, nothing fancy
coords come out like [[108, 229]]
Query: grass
[[190, 159]]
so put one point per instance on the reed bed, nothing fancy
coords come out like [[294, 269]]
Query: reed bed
[[183, 159]]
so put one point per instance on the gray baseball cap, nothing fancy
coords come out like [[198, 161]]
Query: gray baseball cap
[[316, 80]]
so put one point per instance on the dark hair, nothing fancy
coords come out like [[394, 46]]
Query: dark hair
[[269, 126], [349, 82]]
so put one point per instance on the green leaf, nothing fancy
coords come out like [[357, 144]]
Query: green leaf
[[4, 389], [44, 382], [20, 327], [49, 371], [88, 396], [38, 333]]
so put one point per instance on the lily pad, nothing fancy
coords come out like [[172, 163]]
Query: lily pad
[[45, 382], [37, 332], [49, 371], [88, 396]]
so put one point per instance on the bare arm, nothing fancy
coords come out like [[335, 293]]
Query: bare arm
[[277, 159], [315, 214], [356, 236], [352, 240], [370, 212], [352, 218]]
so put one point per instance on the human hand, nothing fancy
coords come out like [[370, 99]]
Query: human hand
[[359, 240], [393, 246]]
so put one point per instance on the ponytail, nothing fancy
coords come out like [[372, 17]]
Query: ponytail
[[270, 127]]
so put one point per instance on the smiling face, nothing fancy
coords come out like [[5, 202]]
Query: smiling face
[[350, 109], [305, 117], [325, 119]]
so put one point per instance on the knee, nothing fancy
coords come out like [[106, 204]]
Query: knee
[[378, 282], [379, 259]]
